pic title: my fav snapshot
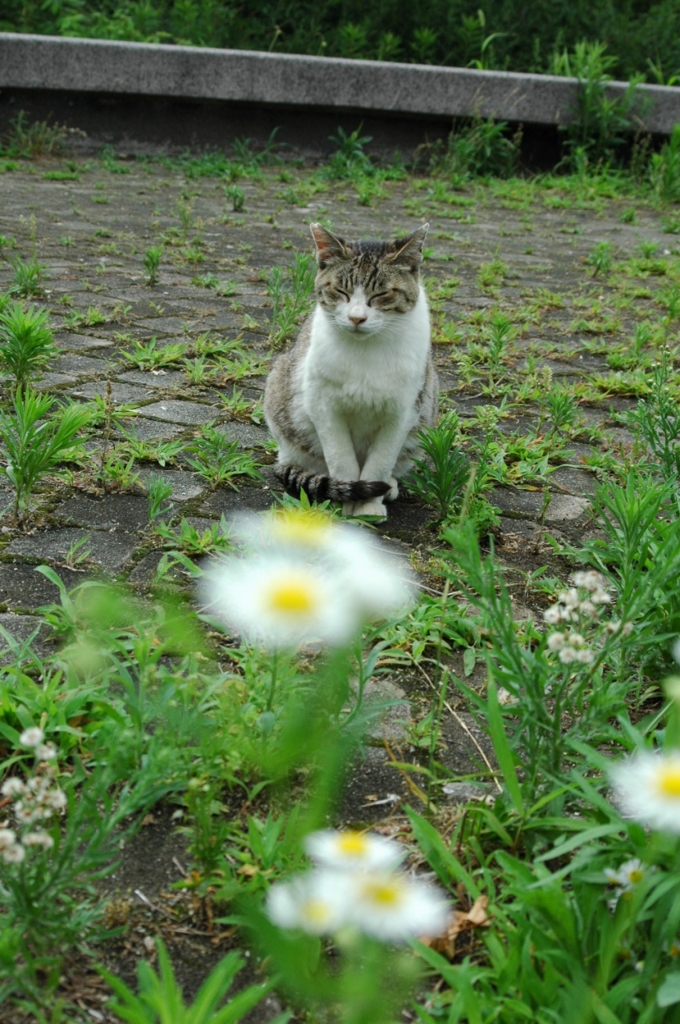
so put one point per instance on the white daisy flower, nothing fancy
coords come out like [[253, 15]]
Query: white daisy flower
[[307, 529], [630, 874], [353, 851], [316, 902], [8, 837], [647, 788], [590, 580], [380, 583], [13, 854], [32, 737], [280, 601], [13, 787], [394, 908], [55, 799], [27, 814], [356, 563], [38, 839]]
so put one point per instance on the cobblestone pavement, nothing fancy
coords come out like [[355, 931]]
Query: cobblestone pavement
[[520, 249]]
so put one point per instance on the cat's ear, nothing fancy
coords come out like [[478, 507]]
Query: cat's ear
[[408, 251], [328, 247]]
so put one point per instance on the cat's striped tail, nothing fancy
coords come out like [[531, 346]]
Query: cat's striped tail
[[323, 488]]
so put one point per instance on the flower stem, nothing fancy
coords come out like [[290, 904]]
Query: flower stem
[[272, 684]]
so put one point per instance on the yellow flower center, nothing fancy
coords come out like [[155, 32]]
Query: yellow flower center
[[668, 780], [315, 911], [292, 597], [304, 528], [383, 894], [635, 876], [352, 844]]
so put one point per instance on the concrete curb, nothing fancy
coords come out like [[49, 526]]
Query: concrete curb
[[87, 66]]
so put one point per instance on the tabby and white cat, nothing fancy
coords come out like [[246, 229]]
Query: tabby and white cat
[[345, 404]]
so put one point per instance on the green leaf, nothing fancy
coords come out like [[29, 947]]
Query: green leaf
[[669, 990], [447, 867], [502, 748]]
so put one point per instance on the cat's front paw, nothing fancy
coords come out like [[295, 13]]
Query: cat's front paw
[[393, 492], [374, 508]]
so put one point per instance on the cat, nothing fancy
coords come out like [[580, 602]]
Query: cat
[[345, 404]]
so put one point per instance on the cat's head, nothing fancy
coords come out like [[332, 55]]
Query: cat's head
[[365, 286]]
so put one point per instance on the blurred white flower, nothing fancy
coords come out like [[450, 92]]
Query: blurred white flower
[[13, 787], [590, 580], [305, 578], [46, 751], [26, 814], [355, 562], [647, 788], [13, 854], [567, 655], [394, 908], [316, 902], [8, 837], [38, 839], [556, 642], [308, 529], [353, 851], [280, 601], [553, 615], [32, 737], [630, 874], [55, 799]]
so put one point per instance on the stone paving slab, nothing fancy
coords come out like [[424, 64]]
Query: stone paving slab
[[115, 512], [185, 486], [109, 551], [187, 413]]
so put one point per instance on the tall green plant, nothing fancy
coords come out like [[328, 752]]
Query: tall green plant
[[600, 122], [26, 343], [34, 443]]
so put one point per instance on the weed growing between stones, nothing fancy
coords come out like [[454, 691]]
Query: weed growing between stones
[[35, 445], [291, 297], [152, 259], [218, 460], [26, 342], [28, 277]]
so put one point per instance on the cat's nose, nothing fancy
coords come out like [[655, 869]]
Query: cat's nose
[[356, 320]]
